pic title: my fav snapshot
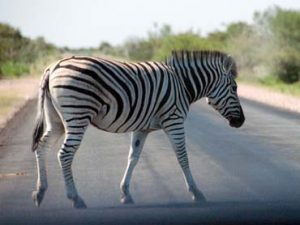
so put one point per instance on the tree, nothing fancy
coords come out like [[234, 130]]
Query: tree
[[283, 28], [17, 52], [139, 49], [11, 42]]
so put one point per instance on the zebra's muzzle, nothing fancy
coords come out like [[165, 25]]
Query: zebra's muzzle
[[237, 121]]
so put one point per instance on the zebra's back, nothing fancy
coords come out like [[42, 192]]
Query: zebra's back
[[112, 95]]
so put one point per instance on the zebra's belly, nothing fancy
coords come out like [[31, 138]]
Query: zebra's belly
[[123, 125]]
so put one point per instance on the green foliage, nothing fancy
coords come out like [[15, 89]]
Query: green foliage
[[11, 41], [287, 66], [271, 45], [162, 41], [285, 27], [275, 83], [12, 69], [107, 49], [18, 53], [282, 29], [138, 49], [146, 49], [246, 46], [185, 41]]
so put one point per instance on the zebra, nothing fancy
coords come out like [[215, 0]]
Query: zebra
[[137, 97]]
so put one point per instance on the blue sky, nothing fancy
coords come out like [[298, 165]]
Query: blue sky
[[86, 23]]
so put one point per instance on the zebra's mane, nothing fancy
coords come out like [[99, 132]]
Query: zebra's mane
[[215, 56]]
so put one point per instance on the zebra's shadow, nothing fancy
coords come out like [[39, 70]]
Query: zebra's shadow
[[160, 205], [217, 205], [247, 212]]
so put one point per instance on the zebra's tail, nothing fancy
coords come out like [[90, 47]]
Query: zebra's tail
[[39, 121]]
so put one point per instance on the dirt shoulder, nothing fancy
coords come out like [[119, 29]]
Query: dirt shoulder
[[14, 94], [269, 97]]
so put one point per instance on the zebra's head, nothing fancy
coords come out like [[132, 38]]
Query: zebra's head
[[210, 74], [223, 97]]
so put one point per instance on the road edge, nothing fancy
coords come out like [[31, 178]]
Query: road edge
[[269, 97], [15, 119]]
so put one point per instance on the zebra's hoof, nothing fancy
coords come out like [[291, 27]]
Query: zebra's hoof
[[79, 204], [37, 197], [198, 197], [127, 199]]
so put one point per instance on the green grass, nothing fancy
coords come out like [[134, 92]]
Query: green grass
[[12, 69], [273, 83]]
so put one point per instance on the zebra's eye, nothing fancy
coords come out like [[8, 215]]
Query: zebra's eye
[[234, 88]]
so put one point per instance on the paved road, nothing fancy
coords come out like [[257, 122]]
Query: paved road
[[249, 175]]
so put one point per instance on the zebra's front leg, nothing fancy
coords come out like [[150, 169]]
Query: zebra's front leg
[[137, 142], [176, 136], [65, 157]]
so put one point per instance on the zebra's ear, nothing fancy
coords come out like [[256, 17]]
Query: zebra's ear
[[228, 64]]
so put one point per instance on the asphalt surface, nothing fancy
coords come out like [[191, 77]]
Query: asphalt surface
[[249, 175]]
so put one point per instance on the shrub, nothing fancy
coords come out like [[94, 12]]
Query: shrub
[[287, 67], [185, 41], [282, 28], [14, 69], [18, 53], [138, 49]]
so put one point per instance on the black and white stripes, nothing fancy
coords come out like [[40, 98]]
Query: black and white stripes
[[129, 97]]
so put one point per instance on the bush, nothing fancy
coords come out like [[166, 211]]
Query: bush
[[287, 67], [185, 41], [282, 30], [14, 69], [18, 53], [138, 49]]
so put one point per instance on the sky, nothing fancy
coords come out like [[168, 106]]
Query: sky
[[87, 23]]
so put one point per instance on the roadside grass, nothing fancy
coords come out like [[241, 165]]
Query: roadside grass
[[277, 85], [272, 83]]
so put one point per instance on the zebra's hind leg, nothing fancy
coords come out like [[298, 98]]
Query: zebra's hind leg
[[176, 136], [49, 138], [137, 142], [65, 156], [54, 131]]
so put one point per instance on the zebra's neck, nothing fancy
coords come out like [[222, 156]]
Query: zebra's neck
[[199, 76]]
